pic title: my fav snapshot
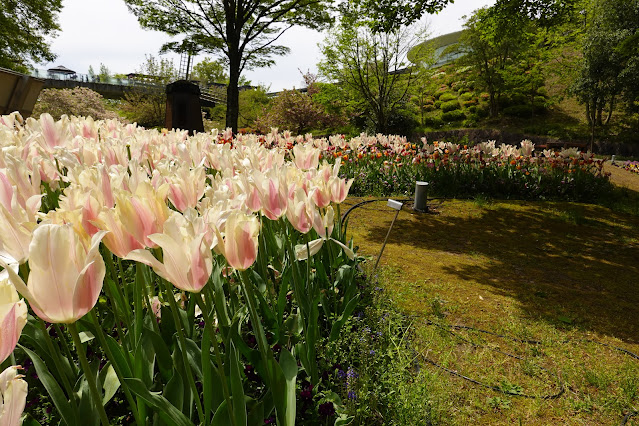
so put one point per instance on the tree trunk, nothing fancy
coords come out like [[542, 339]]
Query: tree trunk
[[233, 93], [493, 104]]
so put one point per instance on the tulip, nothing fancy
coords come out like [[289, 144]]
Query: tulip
[[13, 397], [118, 240], [306, 156], [273, 193], [339, 189], [186, 250], [239, 245], [13, 317], [16, 221], [67, 273], [144, 213], [186, 187], [323, 225], [299, 211]]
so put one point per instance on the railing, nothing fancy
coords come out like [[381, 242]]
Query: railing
[[217, 94], [87, 78]]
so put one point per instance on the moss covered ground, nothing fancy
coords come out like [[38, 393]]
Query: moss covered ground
[[561, 278]]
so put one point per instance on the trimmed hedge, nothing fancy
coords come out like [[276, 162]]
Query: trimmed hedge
[[456, 115], [450, 106], [445, 97]]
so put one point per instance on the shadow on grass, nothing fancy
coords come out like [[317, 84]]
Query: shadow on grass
[[572, 265]]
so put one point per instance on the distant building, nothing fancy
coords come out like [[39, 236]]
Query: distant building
[[443, 46]]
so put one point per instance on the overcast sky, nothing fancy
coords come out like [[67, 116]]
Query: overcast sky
[[103, 31]]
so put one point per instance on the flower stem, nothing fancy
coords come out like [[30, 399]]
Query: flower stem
[[218, 356], [93, 386], [56, 360], [116, 367], [182, 339]]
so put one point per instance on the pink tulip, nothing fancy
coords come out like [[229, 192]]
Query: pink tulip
[[119, 241], [13, 397], [339, 189], [143, 213], [54, 133], [67, 273], [273, 193], [186, 250], [323, 224], [186, 187], [321, 194], [306, 156], [16, 221], [13, 317], [239, 245], [299, 211]]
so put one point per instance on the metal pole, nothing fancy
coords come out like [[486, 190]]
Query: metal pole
[[386, 239]]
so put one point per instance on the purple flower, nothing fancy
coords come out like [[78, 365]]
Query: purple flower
[[352, 395], [327, 409]]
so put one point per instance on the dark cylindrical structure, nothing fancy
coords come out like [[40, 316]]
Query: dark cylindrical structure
[[421, 197], [183, 109]]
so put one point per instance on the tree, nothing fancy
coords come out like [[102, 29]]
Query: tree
[[79, 101], [148, 108], [491, 42], [210, 71], [244, 32], [298, 111], [372, 66], [24, 27], [610, 61], [389, 15]]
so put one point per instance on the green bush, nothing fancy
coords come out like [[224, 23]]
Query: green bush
[[428, 107], [455, 115], [519, 111], [472, 109], [467, 104], [482, 111], [466, 96], [515, 99], [469, 123], [450, 106], [438, 104], [445, 97], [434, 121]]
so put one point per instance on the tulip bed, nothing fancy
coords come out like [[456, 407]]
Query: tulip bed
[[386, 165], [181, 280], [167, 279], [631, 166]]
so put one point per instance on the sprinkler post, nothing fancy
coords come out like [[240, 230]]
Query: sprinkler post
[[397, 206]]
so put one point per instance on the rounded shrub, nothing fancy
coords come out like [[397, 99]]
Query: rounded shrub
[[445, 97], [455, 115], [469, 103], [466, 96], [482, 111], [450, 106], [438, 104], [518, 111], [428, 108], [434, 121]]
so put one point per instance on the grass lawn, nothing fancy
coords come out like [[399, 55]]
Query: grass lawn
[[563, 274]]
